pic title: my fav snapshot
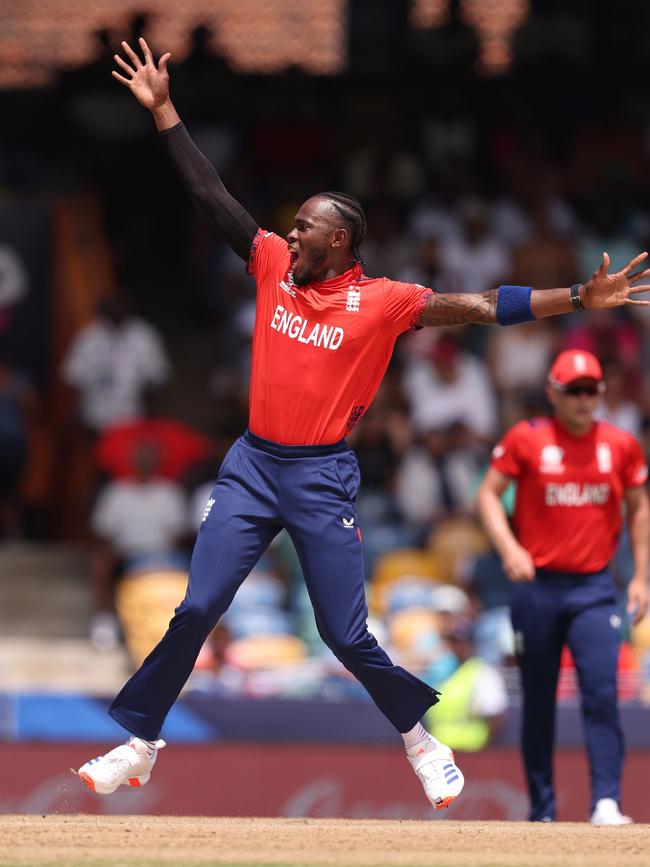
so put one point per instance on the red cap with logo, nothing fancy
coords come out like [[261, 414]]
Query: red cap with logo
[[574, 364]]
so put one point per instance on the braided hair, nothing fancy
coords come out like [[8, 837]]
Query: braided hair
[[351, 211]]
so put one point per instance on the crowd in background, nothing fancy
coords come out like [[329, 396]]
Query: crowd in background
[[467, 183]]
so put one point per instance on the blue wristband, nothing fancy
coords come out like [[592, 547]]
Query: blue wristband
[[513, 305]]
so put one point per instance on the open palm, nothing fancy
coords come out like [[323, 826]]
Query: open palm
[[613, 290], [146, 81]]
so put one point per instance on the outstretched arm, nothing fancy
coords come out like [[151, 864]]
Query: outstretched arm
[[150, 86], [601, 290]]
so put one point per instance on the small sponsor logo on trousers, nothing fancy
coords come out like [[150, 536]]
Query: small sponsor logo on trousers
[[208, 506]]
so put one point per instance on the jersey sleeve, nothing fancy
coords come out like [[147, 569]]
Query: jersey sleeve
[[269, 256], [635, 470], [508, 455], [403, 304]]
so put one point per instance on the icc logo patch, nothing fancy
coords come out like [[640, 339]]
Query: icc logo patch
[[498, 451], [550, 459]]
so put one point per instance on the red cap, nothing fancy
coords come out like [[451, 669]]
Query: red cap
[[574, 364]]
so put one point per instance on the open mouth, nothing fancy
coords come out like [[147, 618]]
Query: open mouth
[[294, 256]]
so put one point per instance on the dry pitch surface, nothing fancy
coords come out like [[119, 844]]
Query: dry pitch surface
[[126, 841]]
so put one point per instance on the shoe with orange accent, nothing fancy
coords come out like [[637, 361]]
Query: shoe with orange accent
[[434, 765], [129, 764]]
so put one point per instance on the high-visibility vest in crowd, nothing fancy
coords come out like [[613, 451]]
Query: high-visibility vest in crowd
[[451, 720]]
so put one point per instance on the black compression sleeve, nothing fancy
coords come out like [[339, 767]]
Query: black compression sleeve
[[208, 192]]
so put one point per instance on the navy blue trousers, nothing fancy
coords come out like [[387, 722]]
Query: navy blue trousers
[[580, 611], [263, 487]]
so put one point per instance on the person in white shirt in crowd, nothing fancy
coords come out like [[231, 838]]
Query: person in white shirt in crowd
[[113, 362], [424, 266], [135, 521], [477, 259], [615, 406], [450, 385], [436, 477]]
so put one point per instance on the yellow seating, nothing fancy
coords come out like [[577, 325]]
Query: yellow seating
[[145, 603], [266, 651], [453, 541]]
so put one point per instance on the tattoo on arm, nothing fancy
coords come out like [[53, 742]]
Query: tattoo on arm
[[448, 309]]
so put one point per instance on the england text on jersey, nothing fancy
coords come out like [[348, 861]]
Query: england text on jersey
[[297, 328]]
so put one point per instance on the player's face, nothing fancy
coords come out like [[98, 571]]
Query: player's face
[[311, 242], [576, 404]]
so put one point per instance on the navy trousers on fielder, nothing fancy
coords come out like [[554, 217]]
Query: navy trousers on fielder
[[580, 611], [263, 487]]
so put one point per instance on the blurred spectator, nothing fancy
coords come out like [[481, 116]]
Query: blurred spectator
[[425, 267], [385, 249], [613, 339], [476, 260], [615, 405], [138, 523], [437, 216], [518, 359], [115, 362], [414, 642], [450, 387], [475, 694], [259, 608], [18, 404], [605, 229], [545, 259], [435, 477], [534, 216]]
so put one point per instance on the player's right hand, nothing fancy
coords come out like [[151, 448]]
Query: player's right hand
[[146, 81], [518, 564]]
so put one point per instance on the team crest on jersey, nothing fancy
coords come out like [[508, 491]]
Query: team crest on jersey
[[354, 299], [604, 457], [550, 459]]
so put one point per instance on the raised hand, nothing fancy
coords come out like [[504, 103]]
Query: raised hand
[[613, 290], [146, 81]]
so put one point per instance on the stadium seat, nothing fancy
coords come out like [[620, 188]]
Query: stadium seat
[[452, 542], [145, 603], [265, 651]]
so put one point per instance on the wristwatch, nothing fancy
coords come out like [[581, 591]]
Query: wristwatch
[[574, 295]]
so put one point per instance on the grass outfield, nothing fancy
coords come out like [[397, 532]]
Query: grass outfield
[[133, 841]]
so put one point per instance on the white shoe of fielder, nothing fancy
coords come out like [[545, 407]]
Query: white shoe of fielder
[[607, 812], [129, 764], [434, 765]]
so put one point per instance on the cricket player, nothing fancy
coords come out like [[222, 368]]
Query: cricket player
[[324, 334], [573, 476]]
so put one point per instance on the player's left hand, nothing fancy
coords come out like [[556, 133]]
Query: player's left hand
[[637, 599], [613, 290]]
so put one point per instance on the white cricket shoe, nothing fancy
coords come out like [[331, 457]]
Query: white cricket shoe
[[607, 812], [434, 765], [129, 764]]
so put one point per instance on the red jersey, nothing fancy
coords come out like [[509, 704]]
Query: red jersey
[[570, 488], [320, 350]]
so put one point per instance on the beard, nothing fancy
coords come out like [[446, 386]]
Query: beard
[[312, 269]]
